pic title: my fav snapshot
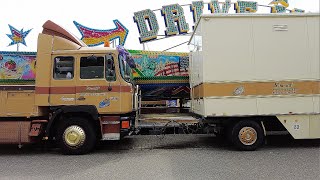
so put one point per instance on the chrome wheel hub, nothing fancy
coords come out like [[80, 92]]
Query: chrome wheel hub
[[248, 136], [74, 136]]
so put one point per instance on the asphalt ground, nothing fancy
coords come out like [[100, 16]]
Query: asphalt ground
[[167, 157]]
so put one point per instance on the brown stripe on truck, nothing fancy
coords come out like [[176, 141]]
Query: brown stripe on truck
[[273, 88], [16, 87], [81, 89]]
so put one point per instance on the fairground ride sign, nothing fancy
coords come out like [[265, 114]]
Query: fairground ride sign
[[175, 21]]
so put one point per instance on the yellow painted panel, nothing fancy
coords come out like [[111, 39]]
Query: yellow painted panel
[[62, 43], [19, 103], [105, 102], [62, 99], [2, 101], [44, 60], [42, 99], [126, 102]]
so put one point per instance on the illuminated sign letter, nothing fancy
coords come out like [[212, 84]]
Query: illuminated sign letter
[[141, 18], [279, 6], [282, 2], [214, 6], [245, 7], [295, 10], [278, 9], [197, 9], [174, 13]]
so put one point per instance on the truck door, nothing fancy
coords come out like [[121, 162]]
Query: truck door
[[62, 88], [97, 83]]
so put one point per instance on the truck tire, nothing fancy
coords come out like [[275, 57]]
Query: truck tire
[[247, 135], [76, 136]]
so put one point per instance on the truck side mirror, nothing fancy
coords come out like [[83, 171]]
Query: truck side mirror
[[109, 57], [110, 63], [110, 68]]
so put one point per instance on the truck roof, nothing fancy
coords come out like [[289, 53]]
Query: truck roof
[[258, 15], [53, 29], [87, 50]]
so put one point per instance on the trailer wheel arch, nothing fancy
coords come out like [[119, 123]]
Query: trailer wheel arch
[[253, 128]]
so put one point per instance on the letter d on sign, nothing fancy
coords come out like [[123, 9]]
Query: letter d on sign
[[141, 18]]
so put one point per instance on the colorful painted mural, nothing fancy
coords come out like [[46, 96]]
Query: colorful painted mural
[[156, 63], [161, 75], [17, 65]]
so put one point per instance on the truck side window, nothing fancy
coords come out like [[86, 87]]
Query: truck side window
[[91, 67], [110, 68], [63, 67]]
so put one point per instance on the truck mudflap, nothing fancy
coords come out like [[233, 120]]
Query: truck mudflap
[[301, 126], [110, 127], [115, 127], [37, 127]]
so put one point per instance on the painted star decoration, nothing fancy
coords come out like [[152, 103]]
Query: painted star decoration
[[17, 36]]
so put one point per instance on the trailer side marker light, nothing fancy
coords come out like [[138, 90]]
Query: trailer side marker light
[[125, 125]]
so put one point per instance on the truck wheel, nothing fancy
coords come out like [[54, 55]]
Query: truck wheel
[[247, 135], [76, 136]]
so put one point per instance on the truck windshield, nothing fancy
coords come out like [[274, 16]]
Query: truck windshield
[[126, 62]]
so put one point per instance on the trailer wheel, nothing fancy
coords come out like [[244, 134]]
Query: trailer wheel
[[247, 135], [76, 136]]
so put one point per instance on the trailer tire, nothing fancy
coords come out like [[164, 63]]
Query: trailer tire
[[247, 135], [76, 136]]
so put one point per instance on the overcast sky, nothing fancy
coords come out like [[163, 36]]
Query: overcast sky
[[98, 14]]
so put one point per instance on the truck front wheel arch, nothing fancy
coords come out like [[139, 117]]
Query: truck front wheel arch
[[76, 135], [247, 135], [65, 113]]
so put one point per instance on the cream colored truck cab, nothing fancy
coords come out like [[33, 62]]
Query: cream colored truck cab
[[252, 74], [81, 94]]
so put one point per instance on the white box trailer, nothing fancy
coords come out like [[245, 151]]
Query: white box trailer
[[247, 70]]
